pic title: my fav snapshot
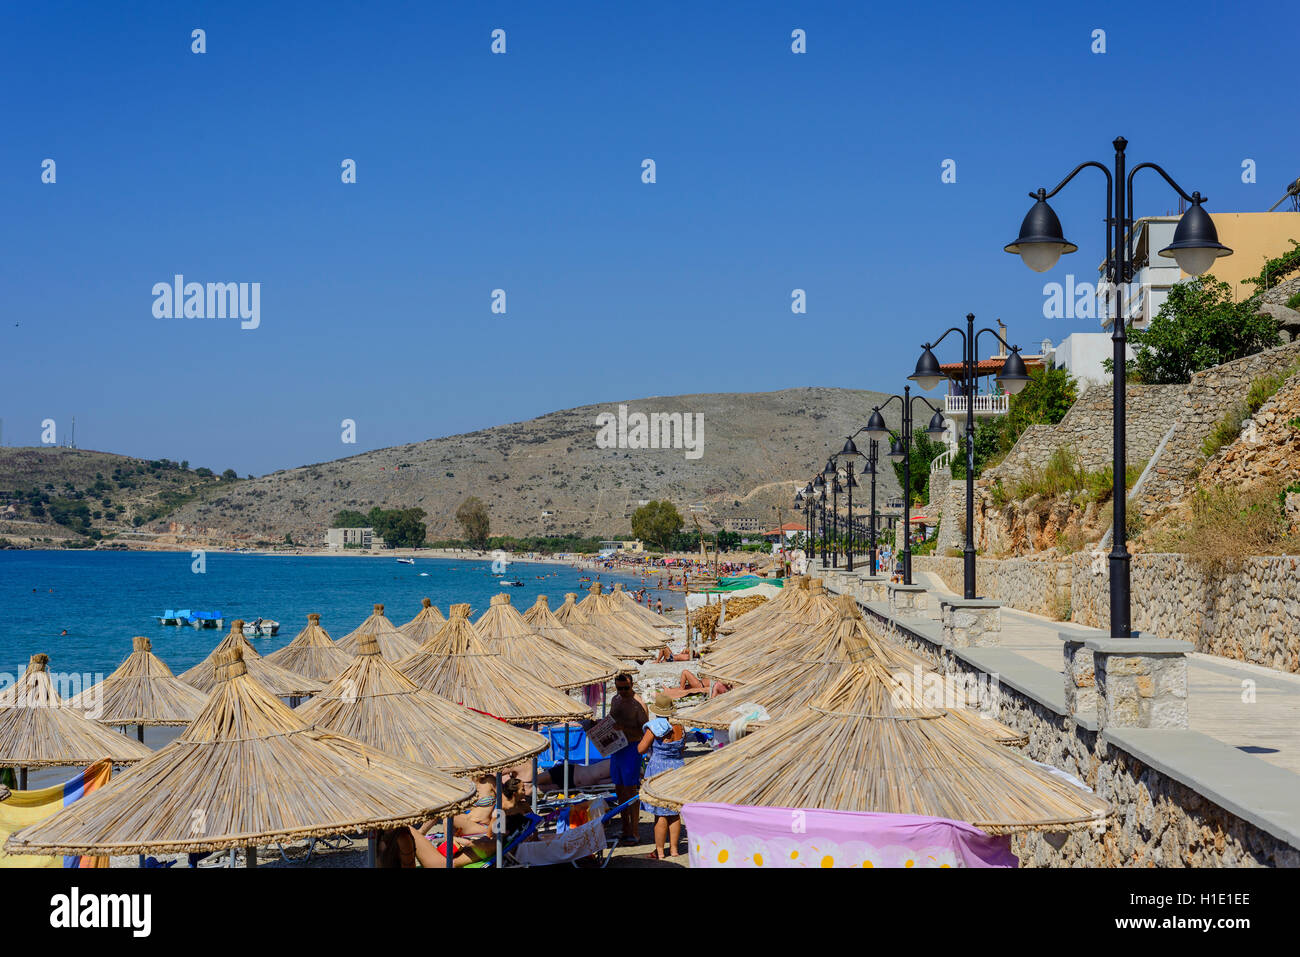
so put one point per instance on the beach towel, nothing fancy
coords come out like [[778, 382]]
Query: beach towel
[[728, 835], [22, 808]]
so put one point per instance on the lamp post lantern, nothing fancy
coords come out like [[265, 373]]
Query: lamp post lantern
[[1012, 377], [900, 450], [1195, 246]]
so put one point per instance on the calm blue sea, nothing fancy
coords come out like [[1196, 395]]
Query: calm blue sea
[[103, 599]]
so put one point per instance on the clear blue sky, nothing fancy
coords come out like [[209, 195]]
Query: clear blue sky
[[775, 171]]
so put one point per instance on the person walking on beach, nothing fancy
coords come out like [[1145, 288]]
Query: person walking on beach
[[629, 714], [659, 606], [665, 740]]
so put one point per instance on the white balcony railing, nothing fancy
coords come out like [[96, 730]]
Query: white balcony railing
[[984, 404], [943, 460]]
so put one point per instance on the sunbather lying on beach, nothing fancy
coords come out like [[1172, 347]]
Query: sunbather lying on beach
[[666, 654], [690, 684], [470, 842]]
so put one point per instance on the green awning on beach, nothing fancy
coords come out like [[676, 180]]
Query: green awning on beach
[[744, 581]]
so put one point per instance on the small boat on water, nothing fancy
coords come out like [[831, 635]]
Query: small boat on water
[[196, 619], [406, 561], [261, 628], [509, 583]]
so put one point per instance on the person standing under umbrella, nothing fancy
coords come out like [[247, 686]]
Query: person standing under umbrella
[[629, 716], [665, 740]]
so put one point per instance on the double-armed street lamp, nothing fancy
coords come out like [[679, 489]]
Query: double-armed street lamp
[[901, 451], [848, 455], [1011, 378], [1195, 246]]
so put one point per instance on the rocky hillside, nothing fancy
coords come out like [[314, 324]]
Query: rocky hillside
[[56, 496], [548, 475]]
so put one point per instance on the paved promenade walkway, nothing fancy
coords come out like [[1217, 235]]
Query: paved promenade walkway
[[1219, 690]]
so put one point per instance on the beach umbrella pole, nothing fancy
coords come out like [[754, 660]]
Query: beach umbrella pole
[[22, 779], [250, 856], [139, 733], [451, 851], [498, 824], [370, 849]]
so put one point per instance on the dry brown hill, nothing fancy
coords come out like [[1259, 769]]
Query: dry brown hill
[[547, 475]]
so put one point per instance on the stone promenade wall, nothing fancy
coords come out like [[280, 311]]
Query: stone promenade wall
[[1250, 614], [1038, 585], [1156, 820]]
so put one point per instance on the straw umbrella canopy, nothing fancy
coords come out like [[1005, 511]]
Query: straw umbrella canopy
[[246, 771], [505, 632], [610, 640], [603, 608], [38, 729], [859, 749], [312, 653], [793, 594], [374, 703], [142, 691], [630, 606], [542, 620], [840, 641], [424, 625], [747, 658], [392, 643], [455, 664], [278, 680]]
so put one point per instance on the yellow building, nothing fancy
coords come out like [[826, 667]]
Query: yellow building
[[1254, 238]]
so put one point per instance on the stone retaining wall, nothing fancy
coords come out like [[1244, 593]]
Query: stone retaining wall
[[1086, 430], [1207, 399], [1249, 614]]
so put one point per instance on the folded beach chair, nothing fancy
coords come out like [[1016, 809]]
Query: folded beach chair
[[576, 843]]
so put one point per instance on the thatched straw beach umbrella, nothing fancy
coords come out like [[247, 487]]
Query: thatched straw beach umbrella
[[376, 704], [143, 692], [247, 771], [424, 625], [312, 653], [748, 656], [279, 681], [793, 594], [858, 749], [603, 609], [39, 730], [542, 620], [639, 612], [842, 640], [455, 664], [608, 639], [393, 645], [505, 632]]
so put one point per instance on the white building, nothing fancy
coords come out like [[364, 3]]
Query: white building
[[1153, 275], [354, 537], [1082, 355]]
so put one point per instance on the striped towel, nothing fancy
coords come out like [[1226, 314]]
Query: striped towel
[[22, 808]]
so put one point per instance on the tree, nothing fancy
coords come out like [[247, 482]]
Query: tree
[[657, 523], [1197, 327], [474, 521], [399, 527], [229, 475], [350, 518], [923, 453]]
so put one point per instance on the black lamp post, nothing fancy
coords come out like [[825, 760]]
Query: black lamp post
[[1012, 378], [1195, 247], [870, 467], [848, 454], [819, 492], [831, 490], [901, 450]]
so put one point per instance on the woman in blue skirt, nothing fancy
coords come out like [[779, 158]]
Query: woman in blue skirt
[[665, 740]]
